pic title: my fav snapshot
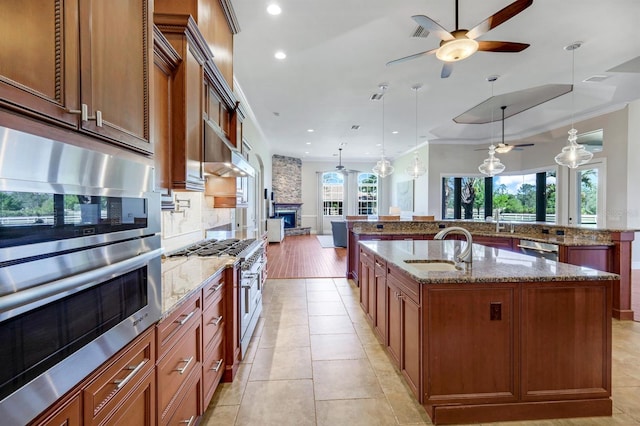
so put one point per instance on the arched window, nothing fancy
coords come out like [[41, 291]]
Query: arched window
[[367, 193], [332, 193]]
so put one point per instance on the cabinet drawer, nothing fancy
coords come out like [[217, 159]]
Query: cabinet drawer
[[408, 287], [171, 328], [176, 367], [212, 322], [212, 367], [212, 291], [107, 391], [366, 257], [189, 406]]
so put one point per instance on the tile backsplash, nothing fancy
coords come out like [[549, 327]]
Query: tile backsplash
[[194, 217]]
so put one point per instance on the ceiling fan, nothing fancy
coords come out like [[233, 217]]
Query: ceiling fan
[[461, 43], [503, 148], [340, 168]]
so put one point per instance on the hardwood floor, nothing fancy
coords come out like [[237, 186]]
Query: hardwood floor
[[302, 256]]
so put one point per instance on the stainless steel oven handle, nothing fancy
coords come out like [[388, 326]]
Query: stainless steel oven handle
[[75, 283]]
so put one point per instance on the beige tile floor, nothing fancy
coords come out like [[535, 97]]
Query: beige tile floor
[[315, 361]]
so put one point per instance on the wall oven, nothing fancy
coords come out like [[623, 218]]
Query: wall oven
[[80, 266]]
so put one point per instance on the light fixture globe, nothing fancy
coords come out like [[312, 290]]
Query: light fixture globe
[[574, 154], [492, 165], [457, 49], [383, 168], [417, 168]]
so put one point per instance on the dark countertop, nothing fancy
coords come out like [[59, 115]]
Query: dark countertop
[[489, 264]]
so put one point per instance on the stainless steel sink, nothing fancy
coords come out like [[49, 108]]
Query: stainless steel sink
[[432, 265]]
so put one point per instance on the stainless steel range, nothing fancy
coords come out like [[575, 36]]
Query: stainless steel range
[[251, 255]]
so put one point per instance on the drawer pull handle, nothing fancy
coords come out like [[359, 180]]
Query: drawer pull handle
[[188, 422], [185, 319], [183, 369], [216, 321], [216, 288], [134, 370], [217, 367]]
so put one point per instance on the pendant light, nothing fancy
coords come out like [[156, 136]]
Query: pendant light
[[573, 154], [492, 165], [383, 167], [417, 168]]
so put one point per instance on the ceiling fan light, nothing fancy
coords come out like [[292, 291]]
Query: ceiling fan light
[[574, 154], [383, 168], [503, 149], [457, 50]]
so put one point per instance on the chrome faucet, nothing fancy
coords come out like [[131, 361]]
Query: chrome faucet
[[499, 227], [465, 255]]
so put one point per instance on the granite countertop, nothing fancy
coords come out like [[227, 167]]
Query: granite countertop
[[534, 231], [183, 276], [489, 264]]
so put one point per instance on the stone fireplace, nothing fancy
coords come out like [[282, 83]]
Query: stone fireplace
[[287, 191]]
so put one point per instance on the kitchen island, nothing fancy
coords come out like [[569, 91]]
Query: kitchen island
[[512, 337]]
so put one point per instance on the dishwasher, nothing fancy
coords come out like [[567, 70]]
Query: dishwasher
[[538, 249]]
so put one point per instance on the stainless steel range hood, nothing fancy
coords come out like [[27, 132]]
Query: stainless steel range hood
[[220, 157]]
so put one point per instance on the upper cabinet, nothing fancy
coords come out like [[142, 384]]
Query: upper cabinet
[[80, 64]]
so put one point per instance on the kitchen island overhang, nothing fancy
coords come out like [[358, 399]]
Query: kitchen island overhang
[[510, 338]]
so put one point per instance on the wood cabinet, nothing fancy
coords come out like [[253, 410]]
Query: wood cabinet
[[213, 322], [596, 257], [67, 412], [405, 329], [123, 385], [179, 356], [187, 101], [379, 299], [69, 69], [366, 278], [495, 242]]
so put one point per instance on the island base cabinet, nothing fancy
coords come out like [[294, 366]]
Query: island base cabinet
[[404, 343]]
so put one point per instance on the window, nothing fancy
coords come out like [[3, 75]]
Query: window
[[367, 193], [332, 193], [523, 198]]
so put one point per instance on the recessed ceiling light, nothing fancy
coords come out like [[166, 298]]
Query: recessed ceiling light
[[310, 130], [274, 9], [378, 144], [395, 132], [280, 54], [308, 143], [306, 152]]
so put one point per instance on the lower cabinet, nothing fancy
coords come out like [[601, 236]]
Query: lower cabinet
[[366, 275], [67, 412], [405, 333], [179, 356], [379, 292]]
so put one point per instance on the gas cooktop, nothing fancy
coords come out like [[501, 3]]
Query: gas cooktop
[[231, 247]]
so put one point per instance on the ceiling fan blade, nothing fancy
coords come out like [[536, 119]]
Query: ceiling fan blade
[[447, 67], [501, 46], [433, 27], [408, 58], [523, 145], [499, 17]]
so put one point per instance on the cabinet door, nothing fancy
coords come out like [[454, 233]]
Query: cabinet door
[[371, 294], [38, 58], [380, 319], [411, 344], [115, 47], [596, 257], [66, 413], [394, 318], [139, 408], [365, 270]]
